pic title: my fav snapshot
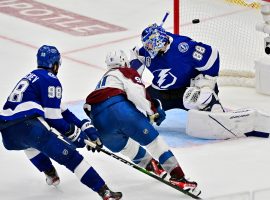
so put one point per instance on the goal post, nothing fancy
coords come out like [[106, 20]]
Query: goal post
[[176, 16]]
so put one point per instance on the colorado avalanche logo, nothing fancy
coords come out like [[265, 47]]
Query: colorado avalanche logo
[[183, 47], [163, 78]]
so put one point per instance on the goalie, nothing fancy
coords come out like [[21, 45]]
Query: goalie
[[185, 76], [185, 71]]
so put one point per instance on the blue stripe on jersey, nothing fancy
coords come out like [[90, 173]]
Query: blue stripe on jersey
[[21, 114], [140, 154]]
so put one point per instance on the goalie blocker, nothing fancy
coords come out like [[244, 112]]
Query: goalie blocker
[[226, 125]]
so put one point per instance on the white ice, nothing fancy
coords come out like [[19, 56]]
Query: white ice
[[220, 168]]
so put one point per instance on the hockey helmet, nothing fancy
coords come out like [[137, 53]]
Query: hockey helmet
[[116, 58], [47, 56], [154, 38]]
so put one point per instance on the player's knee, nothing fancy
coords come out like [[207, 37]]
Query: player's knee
[[70, 159], [148, 136], [115, 144]]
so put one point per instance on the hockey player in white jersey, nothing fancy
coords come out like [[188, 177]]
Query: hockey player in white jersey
[[31, 111], [123, 113]]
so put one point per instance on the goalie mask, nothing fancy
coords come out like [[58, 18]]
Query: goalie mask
[[117, 59], [154, 38]]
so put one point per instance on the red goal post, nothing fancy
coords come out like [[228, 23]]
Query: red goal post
[[176, 16]]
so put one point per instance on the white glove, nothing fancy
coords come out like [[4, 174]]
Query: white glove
[[198, 99], [202, 99]]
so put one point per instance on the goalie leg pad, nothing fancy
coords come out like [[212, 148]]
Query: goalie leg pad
[[262, 122], [227, 125]]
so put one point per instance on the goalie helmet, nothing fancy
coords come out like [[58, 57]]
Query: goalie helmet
[[154, 38], [47, 56], [116, 59]]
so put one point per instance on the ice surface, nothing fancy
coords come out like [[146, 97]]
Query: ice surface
[[220, 167]]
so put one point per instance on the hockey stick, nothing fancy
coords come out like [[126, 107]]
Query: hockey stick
[[164, 18], [87, 142]]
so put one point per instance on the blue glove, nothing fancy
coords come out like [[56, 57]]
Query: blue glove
[[76, 136], [161, 113], [91, 133], [161, 117]]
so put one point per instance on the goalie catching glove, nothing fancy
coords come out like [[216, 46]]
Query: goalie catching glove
[[201, 95]]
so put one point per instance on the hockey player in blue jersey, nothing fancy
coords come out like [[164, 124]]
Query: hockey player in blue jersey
[[185, 71], [122, 112], [33, 119]]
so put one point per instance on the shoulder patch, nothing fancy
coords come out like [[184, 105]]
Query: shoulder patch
[[183, 47]]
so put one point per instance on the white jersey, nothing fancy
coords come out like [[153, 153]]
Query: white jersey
[[125, 81]]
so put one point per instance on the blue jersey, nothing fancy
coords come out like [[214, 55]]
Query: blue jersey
[[38, 93], [183, 59]]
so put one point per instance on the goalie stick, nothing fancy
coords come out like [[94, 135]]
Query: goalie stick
[[164, 18], [91, 144]]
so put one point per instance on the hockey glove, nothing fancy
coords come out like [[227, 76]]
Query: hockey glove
[[87, 109], [92, 134], [161, 113], [153, 117], [76, 136]]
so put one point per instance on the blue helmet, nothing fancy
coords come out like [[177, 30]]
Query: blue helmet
[[154, 38], [47, 56]]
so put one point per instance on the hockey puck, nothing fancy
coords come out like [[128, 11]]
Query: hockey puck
[[195, 21]]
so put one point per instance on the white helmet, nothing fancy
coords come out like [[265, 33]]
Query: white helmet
[[116, 58]]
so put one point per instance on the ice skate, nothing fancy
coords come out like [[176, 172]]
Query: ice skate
[[186, 185], [107, 194], [52, 177], [156, 168]]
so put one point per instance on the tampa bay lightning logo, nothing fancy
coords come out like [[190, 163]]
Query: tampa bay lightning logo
[[183, 47], [163, 78]]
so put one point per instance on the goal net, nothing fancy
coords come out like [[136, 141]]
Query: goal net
[[228, 25]]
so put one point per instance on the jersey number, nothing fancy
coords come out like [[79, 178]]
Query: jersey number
[[198, 53], [102, 82], [54, 92], [17, 94]]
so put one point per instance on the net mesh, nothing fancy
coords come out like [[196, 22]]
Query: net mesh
[[228, 25]]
